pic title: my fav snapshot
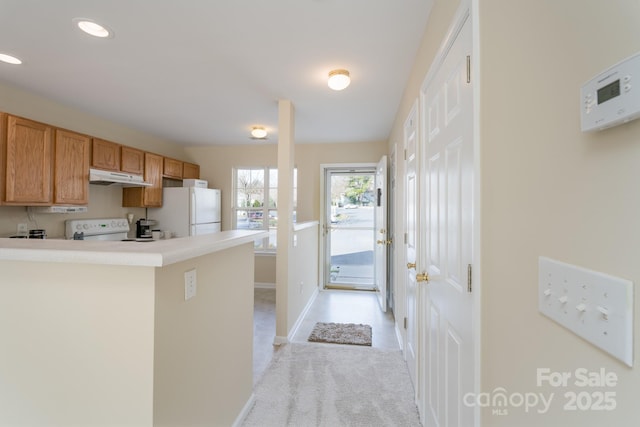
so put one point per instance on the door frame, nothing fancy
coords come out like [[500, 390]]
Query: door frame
[[323, 209]]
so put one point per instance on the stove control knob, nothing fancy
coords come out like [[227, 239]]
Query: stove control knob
[[85, 226], [113, 223], [78, 227]]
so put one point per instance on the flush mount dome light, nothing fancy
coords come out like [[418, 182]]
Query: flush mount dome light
[[339, 79], [9, 59], [258, 132], [93, 28]]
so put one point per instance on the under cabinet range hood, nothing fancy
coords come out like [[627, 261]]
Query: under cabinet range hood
[[57, 209], [123, 179]]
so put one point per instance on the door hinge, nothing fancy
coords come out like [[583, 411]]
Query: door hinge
[[469, 288], [468, 68], [405, 238], [405, 323], [405, 154]]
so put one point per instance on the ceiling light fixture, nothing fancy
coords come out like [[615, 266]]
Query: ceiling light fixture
[[258, 132], [93, 28], [9, 59], [339, 79]]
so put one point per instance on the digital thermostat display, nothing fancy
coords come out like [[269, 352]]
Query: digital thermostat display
[[609, 91], [611, 98]]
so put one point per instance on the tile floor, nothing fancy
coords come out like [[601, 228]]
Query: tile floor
[[329, 306]]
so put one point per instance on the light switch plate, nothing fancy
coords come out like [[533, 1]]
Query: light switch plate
[[595, 306]]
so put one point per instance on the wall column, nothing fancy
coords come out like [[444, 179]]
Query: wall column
[[286, 152]]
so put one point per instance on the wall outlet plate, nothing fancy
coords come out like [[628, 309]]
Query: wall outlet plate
[[595, 306], [23, 229], [190, 284]]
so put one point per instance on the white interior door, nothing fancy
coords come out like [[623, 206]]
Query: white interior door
[[411, 246], [447, 201], [382, 237]]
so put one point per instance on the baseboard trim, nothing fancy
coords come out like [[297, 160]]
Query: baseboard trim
[[245, 411], [264, 285], [304, 312], [279, 340], [399, 337]]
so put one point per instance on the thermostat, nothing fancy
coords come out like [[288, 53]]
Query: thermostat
[[610, 98]]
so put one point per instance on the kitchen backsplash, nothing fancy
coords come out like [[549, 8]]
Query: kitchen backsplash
[[104, 202]]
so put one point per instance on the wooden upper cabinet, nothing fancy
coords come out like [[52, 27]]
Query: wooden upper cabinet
[[71, 168], [172, 168], [190, 171], [153, 173], [132, 160], [28, 163], [146, 197], [105, 155]]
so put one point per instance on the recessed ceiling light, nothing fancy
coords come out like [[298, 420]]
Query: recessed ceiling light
[[9, 59], [93, 28], [258, 132]]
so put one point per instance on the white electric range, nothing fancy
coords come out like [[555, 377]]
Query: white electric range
[[111, 229]]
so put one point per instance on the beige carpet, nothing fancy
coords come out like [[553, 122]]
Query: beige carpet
[[341, 333], [333, 385]]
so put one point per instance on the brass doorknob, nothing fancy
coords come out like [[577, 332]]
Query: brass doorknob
[[422, 277], [383, 242], [411, 265]]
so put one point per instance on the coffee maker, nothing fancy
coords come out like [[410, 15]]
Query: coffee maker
[[143, 228]]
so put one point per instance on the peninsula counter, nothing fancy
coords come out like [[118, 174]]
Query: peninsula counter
[[100, 333]]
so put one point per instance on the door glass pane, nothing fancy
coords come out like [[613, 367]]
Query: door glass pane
[[351, 237], [351, 257]]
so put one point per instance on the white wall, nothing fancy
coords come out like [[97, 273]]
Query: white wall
[[203, 372], [77, 344], [303, 275], [549, 189]]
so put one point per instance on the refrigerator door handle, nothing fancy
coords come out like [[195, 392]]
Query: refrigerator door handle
[[193, 206]]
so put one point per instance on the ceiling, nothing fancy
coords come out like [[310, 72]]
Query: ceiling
[[204, 72]]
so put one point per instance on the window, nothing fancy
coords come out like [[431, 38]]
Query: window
[[256, 196]]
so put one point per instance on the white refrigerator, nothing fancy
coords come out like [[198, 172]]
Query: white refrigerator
[[188, 211]]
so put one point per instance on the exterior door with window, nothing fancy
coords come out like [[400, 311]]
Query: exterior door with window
[[349, 227], [383, 239]]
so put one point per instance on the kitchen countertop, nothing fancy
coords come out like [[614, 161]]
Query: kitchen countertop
[[157, 253]]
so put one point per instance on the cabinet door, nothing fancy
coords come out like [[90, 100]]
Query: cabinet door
[[190, 171], [143, 197], [28, 162], [153, 173], [105, 155], [172, 168], [71, 168], [132, 160]]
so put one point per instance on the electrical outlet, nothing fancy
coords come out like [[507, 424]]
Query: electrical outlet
[[23, 229], [190, 284], [595, 306]]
